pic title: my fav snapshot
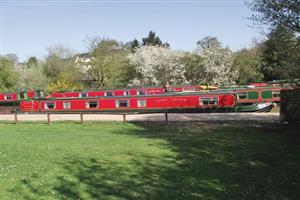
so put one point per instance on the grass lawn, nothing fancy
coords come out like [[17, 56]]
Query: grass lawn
[[184, 160]]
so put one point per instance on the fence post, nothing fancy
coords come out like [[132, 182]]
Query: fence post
[[166, 118], [81, 118], [124, 118], [48, 118], [16, 118]]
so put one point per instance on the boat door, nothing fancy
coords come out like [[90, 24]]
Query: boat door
[[22, 95]]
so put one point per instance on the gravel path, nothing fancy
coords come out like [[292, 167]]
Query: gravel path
[[147, 117]]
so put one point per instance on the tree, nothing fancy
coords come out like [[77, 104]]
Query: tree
[[13, 58], [59, 59], [108, 63], [8, 77], [284, 13], [153, 40], [64, 82], [194, 68], [248, 63], [61, 69], [158, 65], [208, 42], [217, 62], [32, 78], [134, 45], [32, 62], [281, 55]]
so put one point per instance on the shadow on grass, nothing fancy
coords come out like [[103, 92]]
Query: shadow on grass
[[213, 160]]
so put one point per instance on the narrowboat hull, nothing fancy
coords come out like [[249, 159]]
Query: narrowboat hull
[[236, 109], [201, 102], [140, 111], [185, 103], [9, 107]]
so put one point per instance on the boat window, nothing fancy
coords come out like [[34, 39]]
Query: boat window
[[7, 97], [209, 101], [205, 101], [50, 105], [267, 94], [276, 94], [253, 95], [122, 103], [83, 95], [39, 94], [141, 92], [91, 104], [67, 105], [141, 103], [108, 94], [214, 101], [242, 95]]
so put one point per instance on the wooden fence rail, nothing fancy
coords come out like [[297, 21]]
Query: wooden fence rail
[[48, 118]]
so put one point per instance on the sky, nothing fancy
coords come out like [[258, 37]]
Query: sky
[[29, 27]]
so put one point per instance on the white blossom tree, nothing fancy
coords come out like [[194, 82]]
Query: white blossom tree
[[218, 64], [158, 65], [32, 78]]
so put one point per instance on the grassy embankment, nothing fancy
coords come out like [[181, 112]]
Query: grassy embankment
[[187, 160]]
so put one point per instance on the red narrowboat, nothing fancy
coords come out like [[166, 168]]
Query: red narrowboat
[[185, 102], [7, 97], [12, 97], [258, 95], [9, 102]]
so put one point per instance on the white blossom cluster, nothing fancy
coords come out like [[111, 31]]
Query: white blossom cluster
[[159, 65], [218, 63]]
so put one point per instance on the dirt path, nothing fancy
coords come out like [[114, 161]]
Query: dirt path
[[148, 117]]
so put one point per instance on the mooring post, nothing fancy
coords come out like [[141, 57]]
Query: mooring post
[[166, 117], [16, 117], [48, 118], [81, 118], [124, 118]]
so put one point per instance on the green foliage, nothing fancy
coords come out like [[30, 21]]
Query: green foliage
[[32, 62], [281, 55], [59, 59], [67, 80], [248, 63], [61, 70], [13, 58], [284, 13], [109, 65], [134, 45], [55, 65], [8, 76], [281, 51], [62, 84], [194, 68], [185, 160], [129, 71], [153, 40]]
